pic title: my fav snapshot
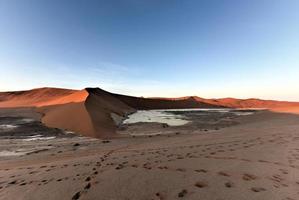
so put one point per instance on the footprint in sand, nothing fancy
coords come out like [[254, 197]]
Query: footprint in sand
[[201, 170], [181, 170], [12, 182], [229, 184], [258, 189], [201, 184], [249, 177], [223, 173], [76, 196], [120, 166], [284, 171], [263, 161], [182, 193], [162, 167], [134, 165], [76, 144], [246, 160], [87, 186], [160, 196]]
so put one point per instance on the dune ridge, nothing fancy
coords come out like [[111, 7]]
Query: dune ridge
[[96, 113]]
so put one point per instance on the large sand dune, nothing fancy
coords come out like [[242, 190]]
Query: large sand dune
[[90, 112], [96, 113]]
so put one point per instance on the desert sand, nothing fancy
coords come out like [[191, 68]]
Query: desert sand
[[216, 158], [256, 159]]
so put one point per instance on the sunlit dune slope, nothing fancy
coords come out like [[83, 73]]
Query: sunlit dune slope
[[33, 98]]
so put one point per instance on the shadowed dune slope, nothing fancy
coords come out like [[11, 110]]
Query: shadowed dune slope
[[164, 103], [105, 111]]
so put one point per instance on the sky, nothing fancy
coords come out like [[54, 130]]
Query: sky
[[208, 48]]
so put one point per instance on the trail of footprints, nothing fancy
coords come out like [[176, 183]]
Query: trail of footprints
[[39, 170], [156, 158], [276, 178]]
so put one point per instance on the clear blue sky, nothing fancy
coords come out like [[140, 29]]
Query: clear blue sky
[[209, 48]]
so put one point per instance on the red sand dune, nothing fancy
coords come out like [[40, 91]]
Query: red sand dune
[[32, 98], [96, 113], [90, 112]]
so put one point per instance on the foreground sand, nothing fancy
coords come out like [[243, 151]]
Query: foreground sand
[[257, 159]]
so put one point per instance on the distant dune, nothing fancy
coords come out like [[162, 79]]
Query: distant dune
[[96, 113], [235, 103]]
